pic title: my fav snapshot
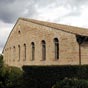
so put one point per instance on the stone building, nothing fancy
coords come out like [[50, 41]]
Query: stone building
[[33, 42]]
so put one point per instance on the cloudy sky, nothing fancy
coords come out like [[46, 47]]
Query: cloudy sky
[[71, 12]]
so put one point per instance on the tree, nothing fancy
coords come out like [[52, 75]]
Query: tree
[[71, 83], [1, 61], [10, 77]]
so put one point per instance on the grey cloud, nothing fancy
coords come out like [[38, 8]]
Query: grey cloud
[[2, 42], [69, 4], [72, 3], [10, 10], [43, 3], [1, 46], [6, 1], [73, 14], [77, 3]]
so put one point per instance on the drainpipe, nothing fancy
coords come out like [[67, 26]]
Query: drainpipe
[[79, 41], [79, 54]]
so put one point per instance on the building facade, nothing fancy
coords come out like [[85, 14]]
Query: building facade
[[33, 42]]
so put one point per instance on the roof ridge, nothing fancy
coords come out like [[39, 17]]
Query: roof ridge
[[33, 20], [67, 28]]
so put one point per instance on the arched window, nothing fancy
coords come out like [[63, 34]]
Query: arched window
[[56, 46], [14, 53], [14, 49], [33, 50], [19, 32], [24, 52], [19, 52], [43, 50], [10, 53]]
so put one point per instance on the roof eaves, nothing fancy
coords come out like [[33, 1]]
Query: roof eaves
[[66, 28]]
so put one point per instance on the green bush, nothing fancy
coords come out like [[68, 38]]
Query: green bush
[[42, 76], [71, 83], [11, 77], [1, 61], [47, 76]]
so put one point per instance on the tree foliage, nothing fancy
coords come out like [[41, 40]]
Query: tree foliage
[[10, 77], [1, 61], [71, 83], [43, 76]]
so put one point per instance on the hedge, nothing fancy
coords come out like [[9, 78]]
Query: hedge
[[10, 77], [47, 76]]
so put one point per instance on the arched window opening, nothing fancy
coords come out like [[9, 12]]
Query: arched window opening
[[24, 52], [43, 50], [19, 52], [10, 54], [19, 32], [33, 50], [56, 44], [14, 52]]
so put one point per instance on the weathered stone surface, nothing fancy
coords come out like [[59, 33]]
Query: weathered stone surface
[[28, 31]]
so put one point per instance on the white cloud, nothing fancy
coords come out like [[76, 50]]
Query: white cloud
[[4, 32], [52, 13], [77, 20], [71, 12]]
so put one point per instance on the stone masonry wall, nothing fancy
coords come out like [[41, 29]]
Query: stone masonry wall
[[31, 32]]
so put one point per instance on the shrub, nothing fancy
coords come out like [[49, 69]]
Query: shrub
[[11, 77], [47, 76], [1, 61], [71, 83]]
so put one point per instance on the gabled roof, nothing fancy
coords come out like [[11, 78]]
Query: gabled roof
[[66, 28]]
